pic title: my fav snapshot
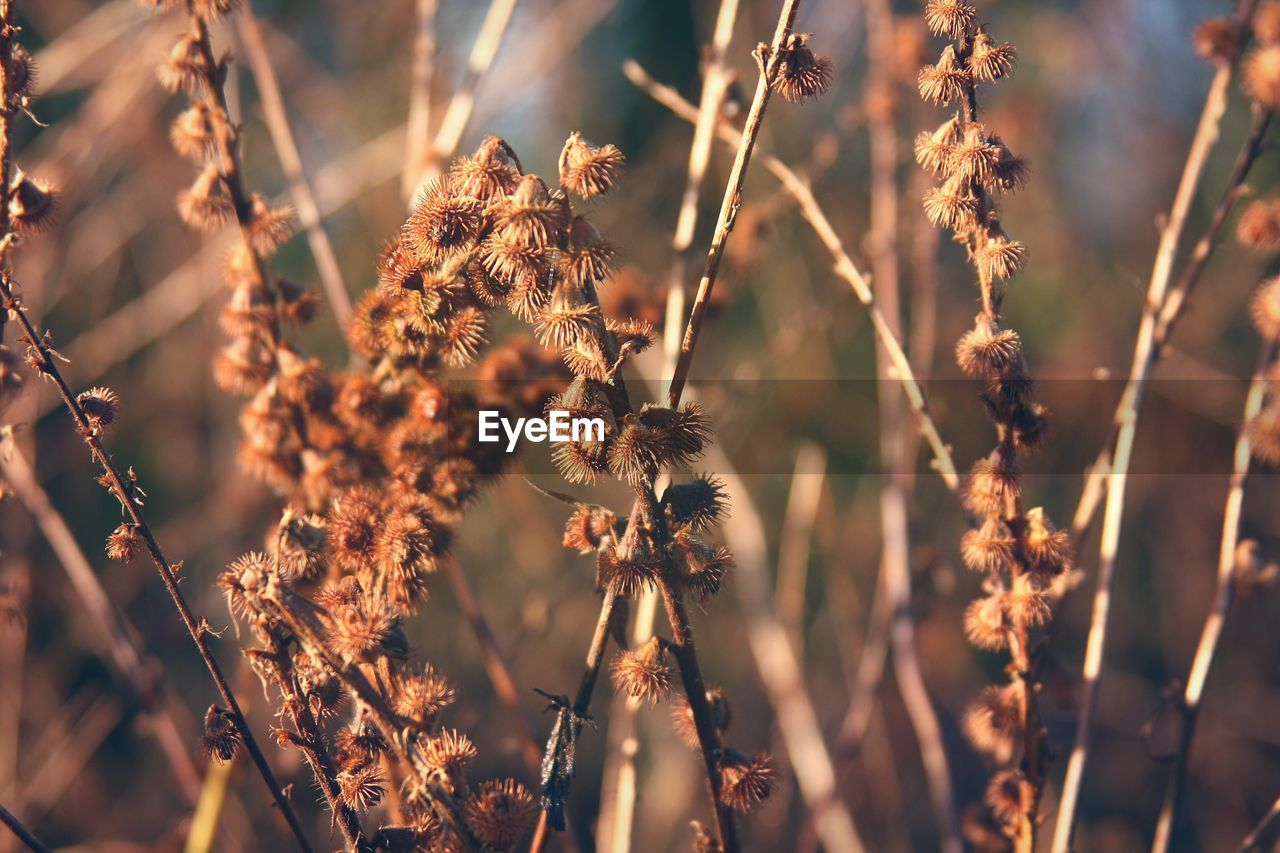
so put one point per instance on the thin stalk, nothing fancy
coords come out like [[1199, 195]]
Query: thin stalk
[[844, 267], [1144, 357], [417, 150], [123, 490], [770, 62], [1224, 593], [1257, 836], [23, 834], [138, 668], [286, 146]]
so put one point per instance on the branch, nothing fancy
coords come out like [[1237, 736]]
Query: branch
[[22, 833]]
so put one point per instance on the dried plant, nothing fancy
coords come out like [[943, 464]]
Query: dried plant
[[1024, 559]]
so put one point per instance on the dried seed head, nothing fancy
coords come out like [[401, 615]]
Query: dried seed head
[[992, 481], [1011, 171], [950, 18], [682, 716], [952, 205], [587, 171], [998, 256], [443, 223], [1265, 309], [984, 623], [803, 74], [991, 60], [974, 158], [989, 548], [638, 451], [1266, 23], [629, 567], [1006, 795], [100, 406], [1029, 601], [580, 462], [946, 81], [587, 257], [499, 813], [358, 632], [221, 737], [746, 782], [1047, 549], [352, 527], [1259, 225], [448, 754], [587, 527], [934, 150], [123, 544], [1262, 76], [993, 723], [695, 505], [1264, 434], [270, 227], [22, 73], [986, 350], [362, 789], [643, 674], [205, 206], [634, 336], [33, 203], [569, 318], [184, 66], [490, 173], [1215, 40]]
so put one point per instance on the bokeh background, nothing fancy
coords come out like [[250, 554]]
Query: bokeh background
[[1103, 105]]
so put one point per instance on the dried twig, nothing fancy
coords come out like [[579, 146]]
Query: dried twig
[[1224, 593], [277, 120], [844, 266], [1144, 357], [417, 149], [21, 832]]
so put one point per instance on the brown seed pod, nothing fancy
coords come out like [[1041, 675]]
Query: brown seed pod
[[643, 674], [588, 171]]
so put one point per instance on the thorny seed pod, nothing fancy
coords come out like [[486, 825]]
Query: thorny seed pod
[[946, 81], [990, 60], [1047, 549], [490, 173], [1259, 225], [361, 789], [421, 698], [587, 171], [985, 625], [100, 406], [587, 258], [184, 66], [192, 132], [974, 158], [33, 203], [1006, 795], [1215, 40], [988, 548], [746, 781], [221, 736], [1264, 309], [1028, 602], [997, 256], [499, 812], [986, 350], [630, 566], [685, 726], [1262, 76], [803, 74], [580, 462], [643, 674], [269, 227], [443, 223], [587, 528], [993, 722], [952, 205], [448, 754], [934, 150], [1264, 435], [22, 73], [951, 18], [205, 206], [992, 481], [569, 318], [123, 545], [695, 505], [1266, 23]]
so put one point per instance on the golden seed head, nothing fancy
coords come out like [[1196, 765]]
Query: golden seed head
[[1262, 76], [499, 812], [643, 674], [945, 82], [984, 623], [746, 781], [951, 18], [803, 74], [588, 171], [100, 406]]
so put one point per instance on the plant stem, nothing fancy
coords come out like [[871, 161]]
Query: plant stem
[[1224, 593], [124, 492], [770, 63], [21, 832]]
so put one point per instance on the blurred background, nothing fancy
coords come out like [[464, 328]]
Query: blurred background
[[1103, 104]]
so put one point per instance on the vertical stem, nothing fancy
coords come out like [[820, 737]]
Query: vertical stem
[[418, 135]]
